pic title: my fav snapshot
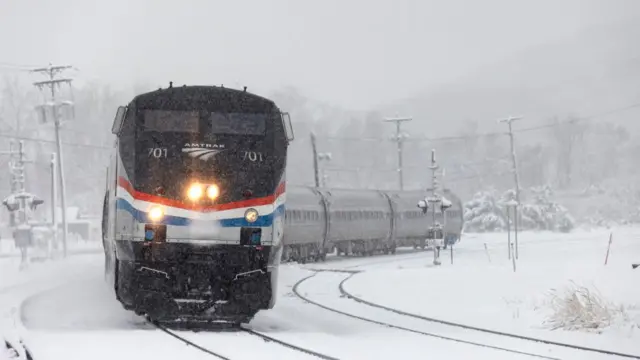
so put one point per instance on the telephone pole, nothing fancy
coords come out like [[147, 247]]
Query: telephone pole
[[320, 176], [52, 83], [399, 139], [516, 177]]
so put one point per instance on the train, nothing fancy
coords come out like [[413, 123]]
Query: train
[[361, 222], [197, 216], [194, 204]]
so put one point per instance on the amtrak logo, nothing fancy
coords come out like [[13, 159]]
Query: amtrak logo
[[202, 151]]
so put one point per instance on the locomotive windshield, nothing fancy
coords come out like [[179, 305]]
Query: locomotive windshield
[[213, 122], [237, 123], [235, 150], [171, 121]]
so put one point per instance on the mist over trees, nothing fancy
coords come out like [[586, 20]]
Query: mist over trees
[[580, 159], [577, 136]]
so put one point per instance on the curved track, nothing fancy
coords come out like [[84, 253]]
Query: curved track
[[474, 328], [387, 324], [522, 346]]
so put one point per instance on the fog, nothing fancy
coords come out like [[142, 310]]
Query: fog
[[455, 67], [357, 54]]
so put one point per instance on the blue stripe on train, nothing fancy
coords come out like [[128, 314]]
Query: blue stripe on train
[[141, 216]]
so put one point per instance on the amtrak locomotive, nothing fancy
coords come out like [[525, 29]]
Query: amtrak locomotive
[[194, 203]]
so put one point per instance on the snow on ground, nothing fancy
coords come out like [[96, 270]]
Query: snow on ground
[[68, 312], [9, 250], [72, 320], [483, 293]]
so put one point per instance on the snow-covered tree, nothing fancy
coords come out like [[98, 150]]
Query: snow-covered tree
[[487, 212]]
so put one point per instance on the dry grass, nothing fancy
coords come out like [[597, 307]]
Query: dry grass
[[579, 308]]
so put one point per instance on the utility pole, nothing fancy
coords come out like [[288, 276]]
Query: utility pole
[[399, 139], [52, 71], [320, 179], [516, 177], [314, 149]]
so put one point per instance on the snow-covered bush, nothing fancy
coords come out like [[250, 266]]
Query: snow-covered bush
[[483, 213], [578, 308], [544, 214], [487, 212]]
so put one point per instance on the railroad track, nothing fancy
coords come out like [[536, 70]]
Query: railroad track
[[249, 331], [19, 351], [351, 296], [446, 327]]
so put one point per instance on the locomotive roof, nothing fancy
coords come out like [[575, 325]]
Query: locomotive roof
[[215, 98]]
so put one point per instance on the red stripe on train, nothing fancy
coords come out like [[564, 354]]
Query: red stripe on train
[[126, 185]]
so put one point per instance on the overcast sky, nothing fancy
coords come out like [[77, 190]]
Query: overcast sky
[[354, 53]]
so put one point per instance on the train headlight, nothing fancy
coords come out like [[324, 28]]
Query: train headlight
[[251, 215], [195, 192], [156, 213], [213, 191]]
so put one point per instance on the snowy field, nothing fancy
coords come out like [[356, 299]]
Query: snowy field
[[8, 249], [63, 309]]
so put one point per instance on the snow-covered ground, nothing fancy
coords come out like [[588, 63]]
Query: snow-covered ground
[[63, 309], [484, 291], [8, 249]]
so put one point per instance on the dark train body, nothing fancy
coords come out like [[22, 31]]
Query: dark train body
[[194, 204], [360, 222]]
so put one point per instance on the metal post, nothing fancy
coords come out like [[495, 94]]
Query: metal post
[[515, 225], [399, 138], [54, 196], [508, 234]]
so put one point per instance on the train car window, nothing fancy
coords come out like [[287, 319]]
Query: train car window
[[287, 216]]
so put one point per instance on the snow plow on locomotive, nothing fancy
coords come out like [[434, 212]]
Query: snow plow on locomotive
[[360, 222], [194, 204]]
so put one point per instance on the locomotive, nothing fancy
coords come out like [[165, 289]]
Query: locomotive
[[194, 204], [361, 222]]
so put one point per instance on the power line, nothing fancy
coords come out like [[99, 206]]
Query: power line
[[8, 136], [497, 133]]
